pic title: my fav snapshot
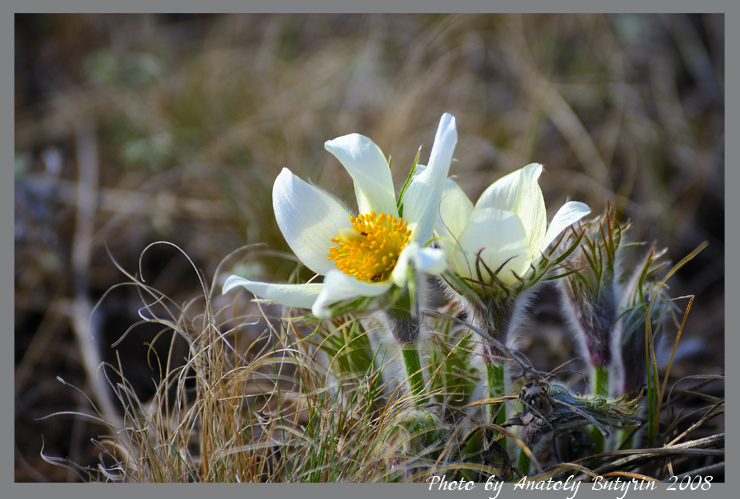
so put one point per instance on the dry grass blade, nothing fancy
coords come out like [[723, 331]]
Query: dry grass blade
[[638, 457], [655, 393]]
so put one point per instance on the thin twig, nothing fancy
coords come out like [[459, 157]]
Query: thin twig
[[87, 187]]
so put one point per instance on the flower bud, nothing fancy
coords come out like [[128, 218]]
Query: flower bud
[[630, 334], [590, 291]]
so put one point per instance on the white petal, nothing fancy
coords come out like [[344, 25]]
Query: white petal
[[429, 260], [568, 214], [308, 218], [499, 236], [455, 210], [520, 192], [369, 169], [422, 196], [289, 295], [339, 286]]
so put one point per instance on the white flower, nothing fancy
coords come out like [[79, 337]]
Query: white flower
[[364, 255], [506, 229]]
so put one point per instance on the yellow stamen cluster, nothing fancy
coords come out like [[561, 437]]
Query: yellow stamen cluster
[[369, 251]]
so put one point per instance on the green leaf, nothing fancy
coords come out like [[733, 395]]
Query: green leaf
[[399, 203]]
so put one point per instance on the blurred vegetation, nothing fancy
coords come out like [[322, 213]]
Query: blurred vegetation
[[189, 119]]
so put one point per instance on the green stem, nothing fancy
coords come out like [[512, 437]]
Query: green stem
[[599, 388], [600, 381], [415, 375], [495, 390]]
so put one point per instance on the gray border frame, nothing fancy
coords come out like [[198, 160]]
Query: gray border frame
[[732, 340]]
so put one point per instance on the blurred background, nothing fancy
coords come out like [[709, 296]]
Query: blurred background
[[131, 129]]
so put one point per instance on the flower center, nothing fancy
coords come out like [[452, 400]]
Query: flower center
[[369, 250]]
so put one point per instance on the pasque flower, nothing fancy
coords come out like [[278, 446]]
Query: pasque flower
[[590, 299], [495, 249], [495, 241], [364, 255]]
